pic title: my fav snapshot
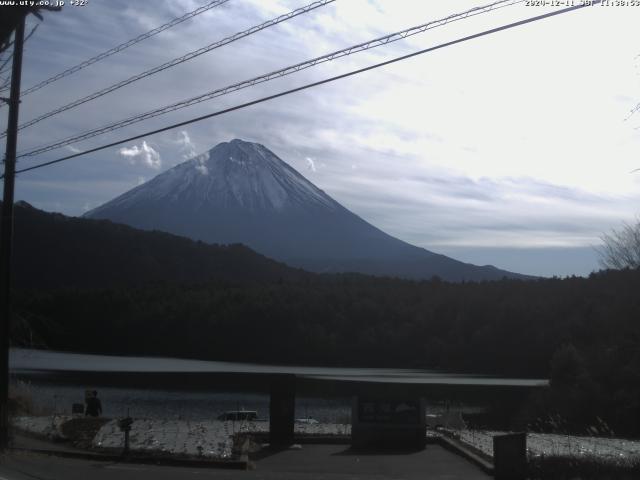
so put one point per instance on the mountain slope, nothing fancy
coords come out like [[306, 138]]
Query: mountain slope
[[241, 192], [52, 250]]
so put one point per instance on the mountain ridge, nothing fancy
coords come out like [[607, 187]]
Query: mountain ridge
[[241, 192], [52, 251]]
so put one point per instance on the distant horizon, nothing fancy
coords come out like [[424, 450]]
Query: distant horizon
[[482, 256], [487, 256]]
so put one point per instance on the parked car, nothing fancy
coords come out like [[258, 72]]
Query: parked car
[[237, 415]]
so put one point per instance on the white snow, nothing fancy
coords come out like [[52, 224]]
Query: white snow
[[253, 177], [47, 426], [213, 438], [209, 438], [555, 444], [203, 438]]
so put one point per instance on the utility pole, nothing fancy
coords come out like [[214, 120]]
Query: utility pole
[[6, 234]]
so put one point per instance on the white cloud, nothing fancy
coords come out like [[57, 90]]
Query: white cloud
[[474, 116], [311, 165], [73, 149], [201, 163], [144, 153], [187, 147]]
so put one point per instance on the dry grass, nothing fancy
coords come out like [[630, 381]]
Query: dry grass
[[21, 400], [82, 430], [587, 467]]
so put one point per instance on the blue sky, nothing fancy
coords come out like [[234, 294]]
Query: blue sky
[[511, 150]]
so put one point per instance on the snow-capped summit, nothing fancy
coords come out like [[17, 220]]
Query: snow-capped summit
[[241, 192], [234, 174]]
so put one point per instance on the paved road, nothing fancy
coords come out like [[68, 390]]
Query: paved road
[[326, 462], [32, 442]]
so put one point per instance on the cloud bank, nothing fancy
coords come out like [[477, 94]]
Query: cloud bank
[[490, 147], [143, 153]]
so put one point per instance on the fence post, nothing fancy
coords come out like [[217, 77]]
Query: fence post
[[510, 456]]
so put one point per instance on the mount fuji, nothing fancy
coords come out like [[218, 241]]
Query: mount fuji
[[241, 192]]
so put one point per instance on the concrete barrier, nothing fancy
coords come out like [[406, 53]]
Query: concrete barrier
[[510, 456]]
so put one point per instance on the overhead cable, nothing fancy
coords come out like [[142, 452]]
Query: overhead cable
[[272, 75], [122, 46], [311, 85], [177, 61]]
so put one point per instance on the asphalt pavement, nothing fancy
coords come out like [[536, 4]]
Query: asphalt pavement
[[326, 462]]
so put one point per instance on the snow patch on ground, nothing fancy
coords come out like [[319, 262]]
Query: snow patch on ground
[[213, 438], [558, 445], [49, 426], [208, 438], [202, 438]]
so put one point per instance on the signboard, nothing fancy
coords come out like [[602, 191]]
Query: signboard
[[388, 423], [389, 411]]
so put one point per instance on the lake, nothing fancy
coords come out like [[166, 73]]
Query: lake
[[28, 360], [55, 380]]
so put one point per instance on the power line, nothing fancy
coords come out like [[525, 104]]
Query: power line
[[314, 84], [4, 63], [124, 45], [273, 75], [4, 71], [179, 60]]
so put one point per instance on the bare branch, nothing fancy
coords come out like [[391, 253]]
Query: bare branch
[[621, 248], [4, 82], [33, 30], [2, 72]]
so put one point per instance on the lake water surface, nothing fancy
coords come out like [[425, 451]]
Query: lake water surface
[[37, 371], [24, 360]]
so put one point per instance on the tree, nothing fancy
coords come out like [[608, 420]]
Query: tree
[[621, 248], [567, 367]]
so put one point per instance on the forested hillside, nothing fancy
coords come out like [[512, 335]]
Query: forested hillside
[[95, 286], [53, 251]]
